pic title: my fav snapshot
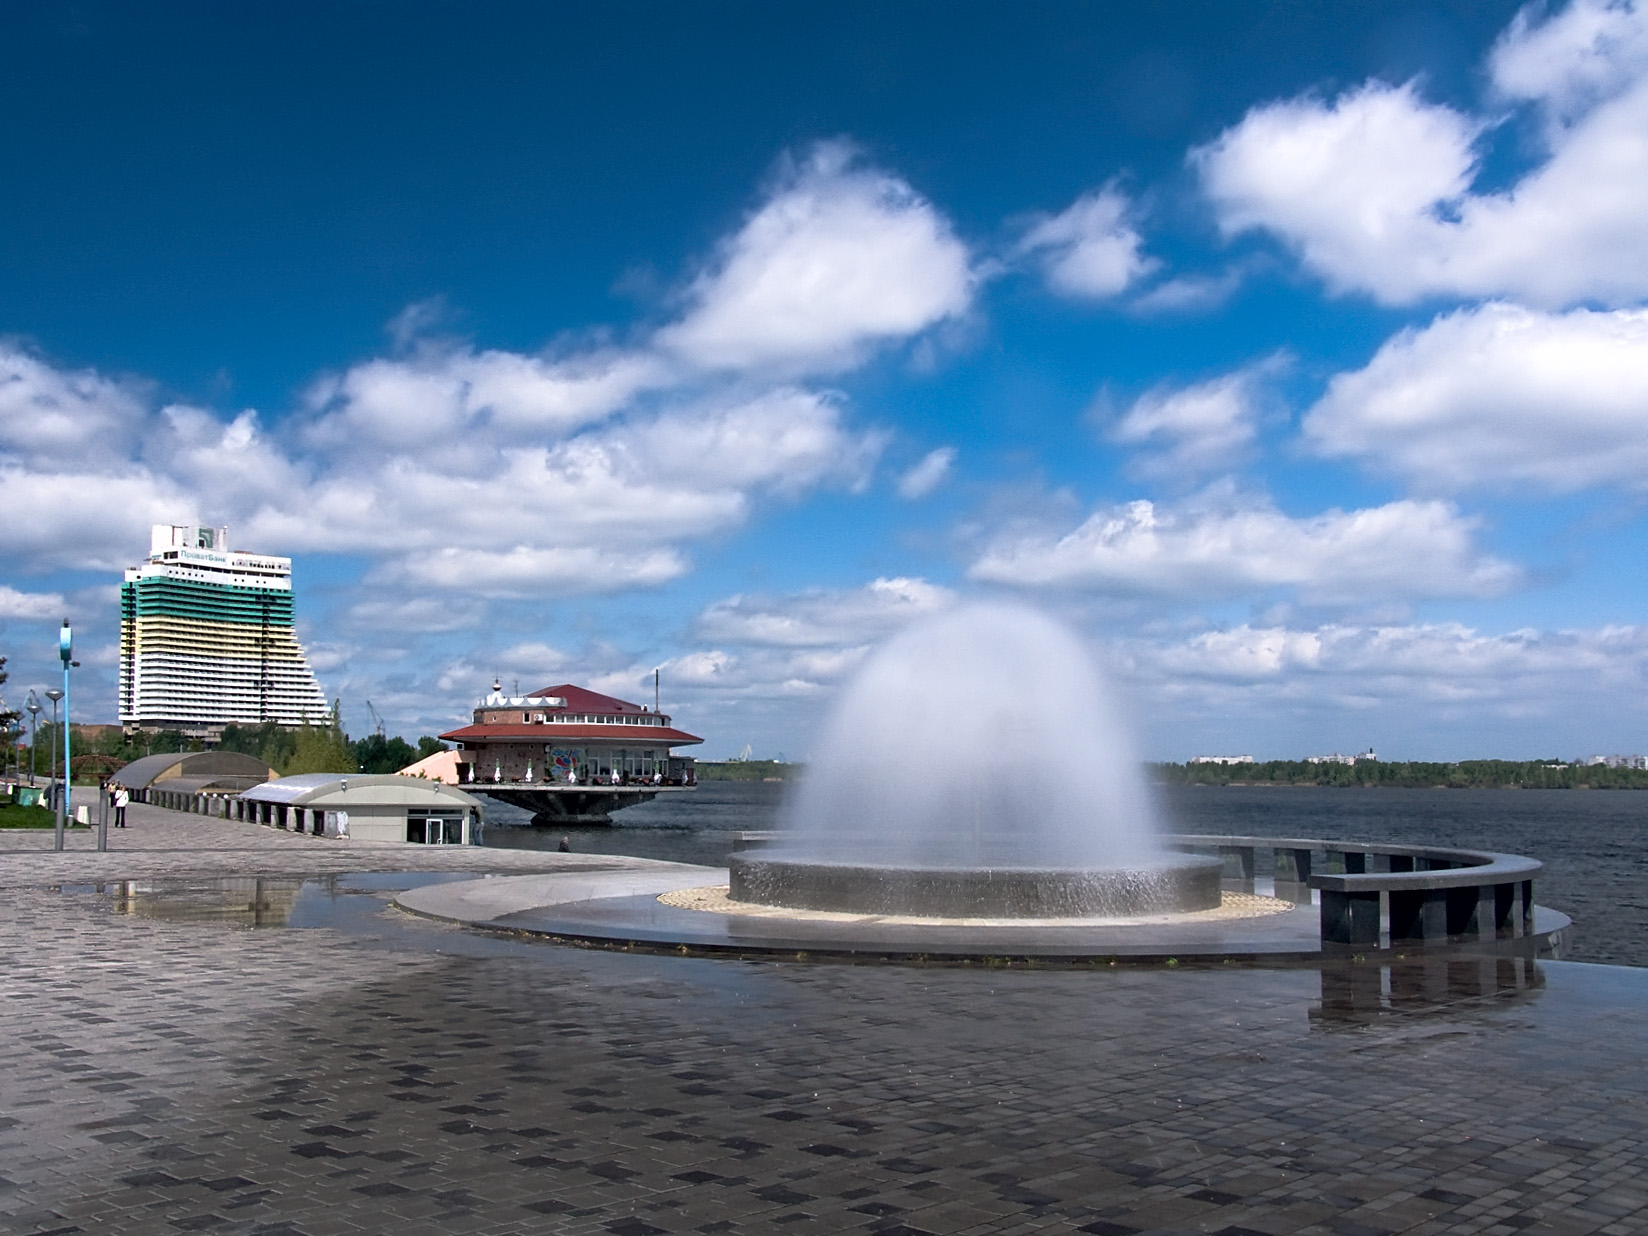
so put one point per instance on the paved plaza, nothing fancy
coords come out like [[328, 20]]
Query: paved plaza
[[382, 1072]]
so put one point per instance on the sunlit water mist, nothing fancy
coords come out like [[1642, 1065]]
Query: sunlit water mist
[[983, 737]]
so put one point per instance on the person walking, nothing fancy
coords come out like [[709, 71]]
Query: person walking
[[121, 798]]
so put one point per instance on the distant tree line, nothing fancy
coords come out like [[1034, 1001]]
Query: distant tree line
[[325, 748], [322, 747], [745, 770], [1417, 774]]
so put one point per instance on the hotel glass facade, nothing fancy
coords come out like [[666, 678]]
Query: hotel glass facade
[[206, 638]]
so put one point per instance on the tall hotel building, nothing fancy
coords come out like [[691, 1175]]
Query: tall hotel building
[[206, 638]]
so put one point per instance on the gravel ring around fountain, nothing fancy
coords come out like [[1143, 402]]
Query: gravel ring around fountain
[[714, 899]]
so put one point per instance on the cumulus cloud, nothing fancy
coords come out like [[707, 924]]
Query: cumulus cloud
[[1187, 293], [533, 657], [1374, 189], [840, 258], [1445, 662], [1090, 250], [53, 521], [785, 440], [413, 612], [17, 604], [927, 475], [1499, 396], [1354, 184], [1401, 549], [527, 570], [445, 393], [1592, 51], [590, 507], [60, 417], [452, 467], [822, 617], [1438, 689], [1185, 431]]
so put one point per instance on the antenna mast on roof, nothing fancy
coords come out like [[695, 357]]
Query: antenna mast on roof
[[655, 707]]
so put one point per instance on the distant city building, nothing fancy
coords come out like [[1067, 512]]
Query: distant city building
[[1222, 759], [1617, 761], [1336, 758], [206, 638]]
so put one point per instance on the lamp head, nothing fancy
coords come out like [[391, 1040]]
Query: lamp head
[[65, 643], [53, 694]]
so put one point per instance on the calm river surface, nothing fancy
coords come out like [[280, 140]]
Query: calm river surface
[[1594, 843]]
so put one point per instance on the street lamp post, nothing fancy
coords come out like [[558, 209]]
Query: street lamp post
[[34, 728], [53, 694], [65, 650]]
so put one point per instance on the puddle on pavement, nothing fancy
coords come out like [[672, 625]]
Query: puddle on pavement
[[1351, 995], [337, 901]]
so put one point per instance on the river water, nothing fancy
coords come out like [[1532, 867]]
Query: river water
[[1594, 843]]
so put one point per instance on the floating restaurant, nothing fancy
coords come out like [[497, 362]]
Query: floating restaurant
[[569, 754]]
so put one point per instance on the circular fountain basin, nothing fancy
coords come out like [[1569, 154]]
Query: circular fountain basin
[[1171, 884]]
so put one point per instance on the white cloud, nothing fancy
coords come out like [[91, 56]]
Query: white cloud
[[1187, 293], [1402, 549], [1442, 661], [17, 604], [786, 440], [591, 509], [445, 393], [1374, 188], [840, 258], [534, 657], [502, 473], [1189, 430], [1355, 185], [927, 475], [711, 667], [53, 519], [420, 614], [1432, 690], [822, 617], [1499, 396], [56, 417], [1591, 51], [1090, 249], [527, 570]]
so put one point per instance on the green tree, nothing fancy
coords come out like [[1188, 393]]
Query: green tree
[[10, 719], [429, 745], [321, 748], [377, 754]]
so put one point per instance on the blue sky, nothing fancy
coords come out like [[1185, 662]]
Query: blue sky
[[1295, 355]]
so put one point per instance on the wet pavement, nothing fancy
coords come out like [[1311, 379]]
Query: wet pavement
[[361, 1069]]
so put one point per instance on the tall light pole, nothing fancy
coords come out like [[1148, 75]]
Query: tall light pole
[[34, 728], [65, 650], [53, 694]]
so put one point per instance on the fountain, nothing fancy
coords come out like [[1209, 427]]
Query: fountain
[[974, 769], [974, 799]]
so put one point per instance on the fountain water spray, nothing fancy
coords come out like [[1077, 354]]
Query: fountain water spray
[[975, 766]]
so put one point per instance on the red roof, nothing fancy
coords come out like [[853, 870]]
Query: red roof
[[637, 735], [580, 699]]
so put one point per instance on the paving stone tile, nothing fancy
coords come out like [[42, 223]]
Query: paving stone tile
[[394, 1074]]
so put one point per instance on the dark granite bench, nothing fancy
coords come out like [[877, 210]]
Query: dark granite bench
[[1424, 893]]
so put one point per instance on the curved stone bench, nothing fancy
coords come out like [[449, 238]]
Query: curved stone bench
[[1426, 894]]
